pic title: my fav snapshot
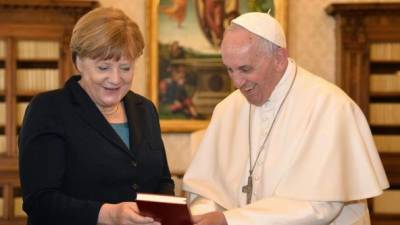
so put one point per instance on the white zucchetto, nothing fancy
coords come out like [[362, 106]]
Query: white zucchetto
[[263, 25]]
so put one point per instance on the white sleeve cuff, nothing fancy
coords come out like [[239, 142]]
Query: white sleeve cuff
[[284, 212], [200, 205]]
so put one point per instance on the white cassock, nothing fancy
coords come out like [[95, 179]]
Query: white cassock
[[318, 165]]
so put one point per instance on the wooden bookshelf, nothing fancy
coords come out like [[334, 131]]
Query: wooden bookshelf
[[34, 57], [368, 69]]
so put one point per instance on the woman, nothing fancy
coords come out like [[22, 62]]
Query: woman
[[88, 148]]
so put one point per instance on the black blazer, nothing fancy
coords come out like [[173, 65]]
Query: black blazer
[[72, 161]]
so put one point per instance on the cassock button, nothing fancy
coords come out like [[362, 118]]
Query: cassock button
[[134, 163], [135, 187]]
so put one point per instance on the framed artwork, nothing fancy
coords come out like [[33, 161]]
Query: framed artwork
[[187, 77]]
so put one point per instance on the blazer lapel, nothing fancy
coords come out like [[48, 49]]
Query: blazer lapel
[[135, 112], [89, 113]]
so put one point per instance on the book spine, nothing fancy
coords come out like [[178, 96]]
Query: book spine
[[1, 205], [2, 79], [2, 49], [18, 211], [2, 144], [21, 108], [2, 114]]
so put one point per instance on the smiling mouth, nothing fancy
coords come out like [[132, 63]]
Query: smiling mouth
[[111, 89], [247, 89]]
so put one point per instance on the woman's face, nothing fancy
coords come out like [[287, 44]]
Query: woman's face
[[106, 81]]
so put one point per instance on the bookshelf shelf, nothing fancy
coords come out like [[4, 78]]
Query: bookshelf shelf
[[385, 61], [390, 161], [368, 69], [389, 97], [34, 57], [386, 125], [39, 59], [27, 95], [388, 130], [391, 67], [37, 63]]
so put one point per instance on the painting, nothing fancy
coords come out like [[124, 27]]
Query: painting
[[187, 77]]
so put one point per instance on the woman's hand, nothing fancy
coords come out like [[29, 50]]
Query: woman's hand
[[125, 213]]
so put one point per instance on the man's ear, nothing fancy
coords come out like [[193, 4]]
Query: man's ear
[[281, 59]]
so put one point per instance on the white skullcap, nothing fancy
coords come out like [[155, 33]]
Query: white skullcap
[[263, 25]]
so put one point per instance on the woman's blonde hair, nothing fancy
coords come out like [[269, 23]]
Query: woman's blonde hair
[[106, 33]]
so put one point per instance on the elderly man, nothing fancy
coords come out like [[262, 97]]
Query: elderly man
[[287, 147]]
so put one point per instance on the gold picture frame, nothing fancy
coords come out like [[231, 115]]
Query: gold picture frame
[[209, 67]]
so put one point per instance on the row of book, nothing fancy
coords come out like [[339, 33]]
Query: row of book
[[2, 144], [33, 80], [388, 202], [18, 211], [385, 51], [29, 49], [2, 79], [387, 143], [21, 107], [384, 113], [37, 79], [2, 49], [385, 82], [2, 113]]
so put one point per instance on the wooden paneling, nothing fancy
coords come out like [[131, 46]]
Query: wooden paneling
[[360, 28], [41, 22]]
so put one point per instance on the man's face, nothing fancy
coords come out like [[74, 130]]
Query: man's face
[[249, 67]]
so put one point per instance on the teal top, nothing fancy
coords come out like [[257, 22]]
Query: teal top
[[122, 130]]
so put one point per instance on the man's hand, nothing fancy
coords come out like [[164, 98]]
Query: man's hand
[[212, 218]]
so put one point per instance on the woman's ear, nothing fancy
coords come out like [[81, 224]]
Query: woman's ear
[[78, 64]]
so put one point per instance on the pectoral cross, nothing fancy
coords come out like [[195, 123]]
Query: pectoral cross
[[248, 189]]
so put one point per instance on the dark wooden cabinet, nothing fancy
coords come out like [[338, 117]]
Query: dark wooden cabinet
[[34, 57], [368, 69]]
